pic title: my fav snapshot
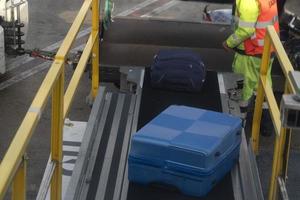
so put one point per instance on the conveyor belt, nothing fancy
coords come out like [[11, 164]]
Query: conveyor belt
[[155, 101], [166, 33], [102, 170], [141, 55], [138, 192], [103, 174], [134, 41]]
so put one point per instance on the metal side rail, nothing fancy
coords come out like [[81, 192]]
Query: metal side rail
[[245, 177], [134, 41], [82, 170], [100, 168]]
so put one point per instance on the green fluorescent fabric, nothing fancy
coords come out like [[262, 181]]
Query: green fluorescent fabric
[[107, 13], [249, 66], [247, 12]]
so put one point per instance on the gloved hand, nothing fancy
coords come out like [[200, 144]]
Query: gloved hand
[[226, 47]]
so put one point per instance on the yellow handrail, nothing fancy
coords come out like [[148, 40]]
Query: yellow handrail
[[265, 91], [13, 165]]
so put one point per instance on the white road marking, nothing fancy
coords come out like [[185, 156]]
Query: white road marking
[[161, 8], [79, 35], [78, 48], [24, 75], [25, 59], [135, 8], [36, 69], [74, 133], [221, 83]]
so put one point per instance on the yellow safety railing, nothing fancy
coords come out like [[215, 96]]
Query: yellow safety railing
[[13, 165], [264, 91]]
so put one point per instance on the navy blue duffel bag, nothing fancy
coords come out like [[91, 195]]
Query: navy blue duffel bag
[[180, 70]]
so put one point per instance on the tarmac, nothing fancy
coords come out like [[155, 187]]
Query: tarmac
[[49, 23]]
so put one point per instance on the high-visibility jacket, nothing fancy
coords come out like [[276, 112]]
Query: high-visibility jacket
[[252, 19]]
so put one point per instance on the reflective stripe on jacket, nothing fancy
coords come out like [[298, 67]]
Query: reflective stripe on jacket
[[268, 16], [252, 17]]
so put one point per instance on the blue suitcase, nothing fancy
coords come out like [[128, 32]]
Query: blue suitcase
[[179, 70], [189, 148]]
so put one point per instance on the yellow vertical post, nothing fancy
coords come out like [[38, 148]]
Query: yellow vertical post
[[276, 166], [260, 94], [95, 51], [57, 135], [19, 183], [257, 118]]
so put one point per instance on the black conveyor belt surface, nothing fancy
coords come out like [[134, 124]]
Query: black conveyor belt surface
[[134, 42], [155, 101], [167, 33]]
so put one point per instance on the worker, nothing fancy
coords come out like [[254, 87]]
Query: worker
[[251, 20]]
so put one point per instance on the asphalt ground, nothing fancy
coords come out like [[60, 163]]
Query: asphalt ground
[[49, 23]]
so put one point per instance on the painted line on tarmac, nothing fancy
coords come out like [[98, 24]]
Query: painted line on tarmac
[[136, 8], [24, 75], [160, 9], [149, 8], [34, 70], [25, 59], [40, 67]]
